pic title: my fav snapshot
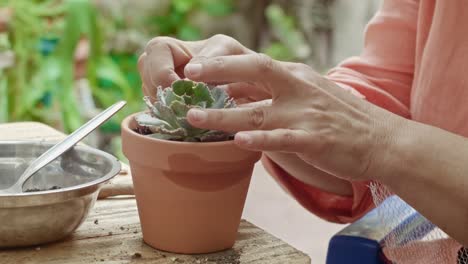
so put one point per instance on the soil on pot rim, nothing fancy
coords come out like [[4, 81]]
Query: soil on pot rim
[[146, 131]]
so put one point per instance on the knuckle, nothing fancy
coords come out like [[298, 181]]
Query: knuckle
[[256, 117], [199, 59], [231, 45], [302, 66], [158, 78], [163, 73], [327, 140], [220, 38], [264, 141], [217, 117], [157, 41], [288, 139], [318, 114], [217, 63], [160, 39], [264, 63]]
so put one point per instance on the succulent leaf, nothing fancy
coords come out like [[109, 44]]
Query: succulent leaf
[[164, 136], [220, 97], [148, 120], [191, 131], [166, 114], [181, 87], [179, 108], [172, 97], [187, 99], [202, 94], [160, 95], [167, 117]]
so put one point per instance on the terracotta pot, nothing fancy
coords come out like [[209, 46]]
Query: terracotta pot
[[190, 196]]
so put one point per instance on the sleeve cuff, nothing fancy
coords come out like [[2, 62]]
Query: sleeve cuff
[[329, 206]]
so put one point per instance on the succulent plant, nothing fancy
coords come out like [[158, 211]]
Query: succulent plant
[[167, 117]]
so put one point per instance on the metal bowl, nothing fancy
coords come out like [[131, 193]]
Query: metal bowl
[[37, 217]]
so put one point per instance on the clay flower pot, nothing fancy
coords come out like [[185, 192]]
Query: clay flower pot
[[190, 196]]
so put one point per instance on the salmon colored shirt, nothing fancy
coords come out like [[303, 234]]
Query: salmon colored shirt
[[414, 64]]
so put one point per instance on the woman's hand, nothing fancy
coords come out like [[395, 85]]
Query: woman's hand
[[309, 115], [164, 61], [164, 58]]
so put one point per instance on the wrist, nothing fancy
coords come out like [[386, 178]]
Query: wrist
[[396, 143]]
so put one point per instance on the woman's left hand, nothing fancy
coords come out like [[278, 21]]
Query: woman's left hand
[[309, 115]]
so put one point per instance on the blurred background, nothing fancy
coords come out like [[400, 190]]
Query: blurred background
[[62, 61]]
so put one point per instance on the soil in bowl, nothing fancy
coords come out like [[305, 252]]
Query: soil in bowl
[[42, 190]]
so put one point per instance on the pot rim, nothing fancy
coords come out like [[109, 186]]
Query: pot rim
[[126, 126]]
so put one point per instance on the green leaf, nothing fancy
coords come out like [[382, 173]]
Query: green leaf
[[201, 104], [167, 114], [214, 136], [179, 108], [191, 131], [182, 87], [180, 131], [148, 120], [187, 99], [165, 136], [219, 97], [202, 94], [161, 96], [172, 97]]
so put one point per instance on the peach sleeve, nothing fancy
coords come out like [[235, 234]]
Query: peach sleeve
[[383, 75]]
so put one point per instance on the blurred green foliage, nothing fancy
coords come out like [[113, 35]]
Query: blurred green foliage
[[43, 36], [290, 44], [176, 21], [41, 85]]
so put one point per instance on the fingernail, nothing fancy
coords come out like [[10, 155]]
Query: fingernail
[[244, 139], [193, 69], [197, 115]]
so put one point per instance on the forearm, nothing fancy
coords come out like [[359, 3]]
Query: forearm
[[429, 170], [306, 173]]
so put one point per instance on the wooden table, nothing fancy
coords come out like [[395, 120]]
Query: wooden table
[[111, 233]]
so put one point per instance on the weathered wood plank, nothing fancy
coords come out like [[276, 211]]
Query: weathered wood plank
[[112, 234]]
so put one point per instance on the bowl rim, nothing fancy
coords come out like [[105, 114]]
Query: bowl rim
[[115, 167]]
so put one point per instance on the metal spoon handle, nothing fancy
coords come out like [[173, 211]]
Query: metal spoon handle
[[71, 140]]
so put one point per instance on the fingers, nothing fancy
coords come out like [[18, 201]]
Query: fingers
[[284, 140], [240, 68], [263, 103], [164, 58], [157, 68], [219, 45], [249, 91], [157, 65], [236, 119]]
